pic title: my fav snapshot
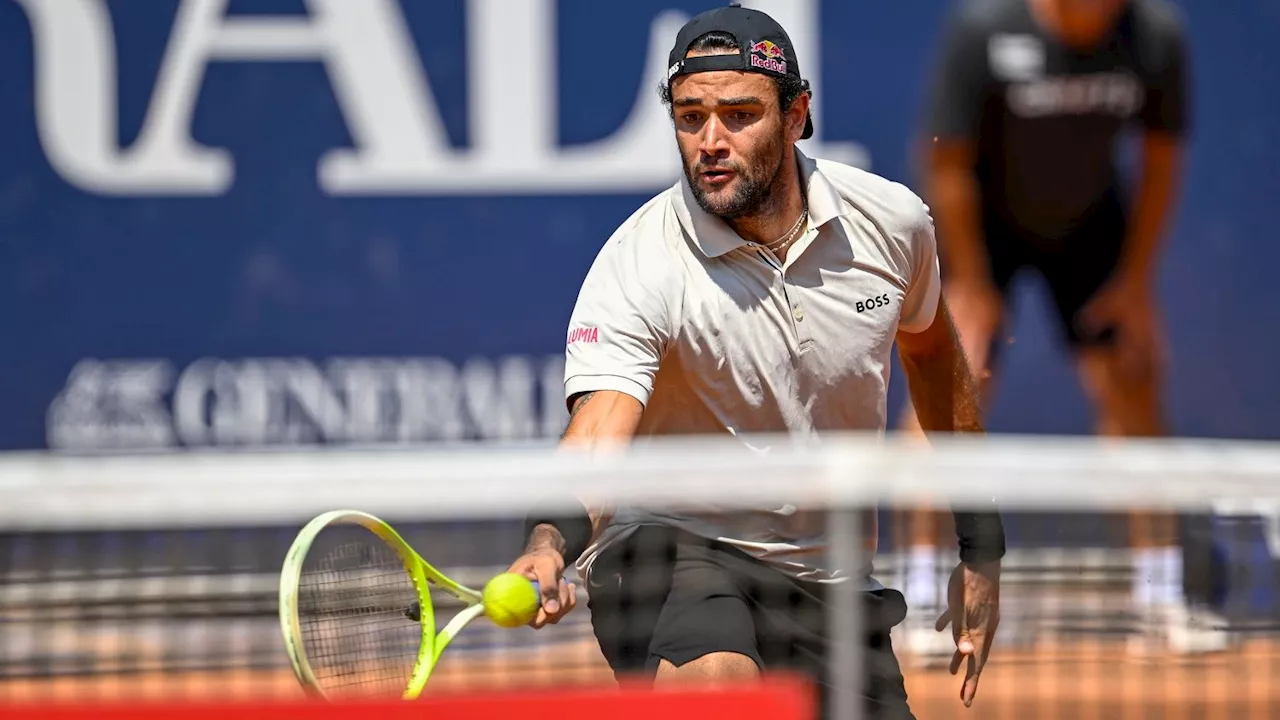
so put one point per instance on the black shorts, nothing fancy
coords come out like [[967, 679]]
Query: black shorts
[[665, 594], [1074, 266]]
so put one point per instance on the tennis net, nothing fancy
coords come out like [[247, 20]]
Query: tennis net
[[1141, 576]]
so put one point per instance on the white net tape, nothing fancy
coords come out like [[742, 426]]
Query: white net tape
[[127, 567], [42, 491]]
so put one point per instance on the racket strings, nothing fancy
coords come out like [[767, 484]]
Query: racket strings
[[352, 607]]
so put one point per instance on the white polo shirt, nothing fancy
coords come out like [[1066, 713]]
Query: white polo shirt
[[713, 335]]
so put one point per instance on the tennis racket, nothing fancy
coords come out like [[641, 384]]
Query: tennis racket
[[356, 611]]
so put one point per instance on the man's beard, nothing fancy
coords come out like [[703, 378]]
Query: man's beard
[[754, 185]]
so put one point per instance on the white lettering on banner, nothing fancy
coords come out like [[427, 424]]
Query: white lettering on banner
[[282, 401], [400, 145], [112, 403], [365, 47], [423, 386]]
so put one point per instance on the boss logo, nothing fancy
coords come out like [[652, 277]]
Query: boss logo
[[872, 303]]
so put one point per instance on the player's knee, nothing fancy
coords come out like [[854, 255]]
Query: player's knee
[[1127, 403], [712, 667], [1108, 373]]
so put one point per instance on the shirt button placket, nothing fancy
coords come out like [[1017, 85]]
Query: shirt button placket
[[803, 339]]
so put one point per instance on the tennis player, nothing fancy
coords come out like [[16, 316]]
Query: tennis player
[[761, 294], [1029, 101]]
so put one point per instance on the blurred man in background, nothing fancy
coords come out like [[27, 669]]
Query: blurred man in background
[[1026, 107]]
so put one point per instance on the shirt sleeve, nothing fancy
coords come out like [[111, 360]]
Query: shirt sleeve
[[960, 81], [621, 322], [921, 302], [1164, 107]]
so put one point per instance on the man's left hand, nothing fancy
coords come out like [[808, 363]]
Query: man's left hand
[[973, 612]]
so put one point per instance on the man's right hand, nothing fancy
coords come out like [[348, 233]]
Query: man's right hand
[[546, 567]]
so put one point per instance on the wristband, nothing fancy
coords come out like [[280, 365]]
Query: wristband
[[980, 536], [575, 528]]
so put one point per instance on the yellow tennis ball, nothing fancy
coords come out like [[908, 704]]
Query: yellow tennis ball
[[510, 600]]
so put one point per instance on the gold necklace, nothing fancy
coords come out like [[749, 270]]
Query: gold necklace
[[785, 241]]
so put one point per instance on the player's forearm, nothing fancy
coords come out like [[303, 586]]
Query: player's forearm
[[942, 387], [1157, 185], [954, 202], [598, 421], [601, 421], [946, 401], [944, 394]]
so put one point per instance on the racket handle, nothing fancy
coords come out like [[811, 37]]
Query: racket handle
[[537, 591]]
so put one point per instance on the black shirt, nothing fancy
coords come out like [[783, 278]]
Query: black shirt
[[1046, 118]]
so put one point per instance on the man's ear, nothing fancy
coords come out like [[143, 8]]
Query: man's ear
[[796, 115]]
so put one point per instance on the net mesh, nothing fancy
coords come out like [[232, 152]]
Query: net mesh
[[355, 614], [1140, 578]]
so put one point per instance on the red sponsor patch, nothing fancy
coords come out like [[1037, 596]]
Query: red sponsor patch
[[766, 55], [584, 335], [769, 64]]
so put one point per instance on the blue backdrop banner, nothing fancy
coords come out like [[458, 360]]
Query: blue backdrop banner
[[277, 222]]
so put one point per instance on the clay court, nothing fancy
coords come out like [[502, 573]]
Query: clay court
[[1096, 681], [1059, 654]]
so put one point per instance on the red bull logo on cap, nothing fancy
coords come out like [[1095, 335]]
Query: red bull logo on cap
[[768, 56]]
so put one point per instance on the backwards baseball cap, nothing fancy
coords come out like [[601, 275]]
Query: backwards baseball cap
[[763, 47]]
